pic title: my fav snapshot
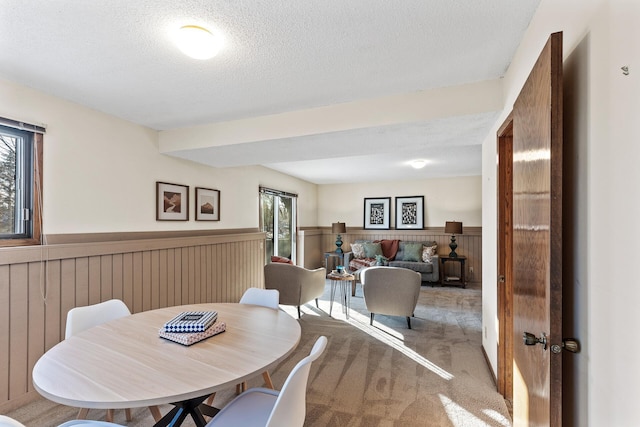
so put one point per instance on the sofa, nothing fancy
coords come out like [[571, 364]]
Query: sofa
[[419, 256]]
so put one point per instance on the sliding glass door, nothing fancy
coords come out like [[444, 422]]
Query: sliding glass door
[[278, 221]]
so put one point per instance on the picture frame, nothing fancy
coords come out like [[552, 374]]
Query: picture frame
[[377, 213], [410, 213], [172, 202], [207, 204]]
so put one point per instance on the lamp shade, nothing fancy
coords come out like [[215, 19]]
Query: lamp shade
[[338, 227], [453, 227]]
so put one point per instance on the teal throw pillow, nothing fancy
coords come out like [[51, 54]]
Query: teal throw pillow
[[372, 249], [412, 252]]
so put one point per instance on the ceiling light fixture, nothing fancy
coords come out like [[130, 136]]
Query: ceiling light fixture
[[198, 42], [418, 163]]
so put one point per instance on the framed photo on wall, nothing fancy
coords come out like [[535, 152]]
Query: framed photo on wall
[[410, 213], [207, 204], [377, 213], [172, 202]]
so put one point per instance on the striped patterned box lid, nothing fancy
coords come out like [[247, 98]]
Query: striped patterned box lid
[[191, 321]]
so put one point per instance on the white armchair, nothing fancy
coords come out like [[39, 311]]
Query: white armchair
[[296, 285]]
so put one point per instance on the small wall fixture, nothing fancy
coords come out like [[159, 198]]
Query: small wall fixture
[[338, 228], [197, 42], [453, 228]]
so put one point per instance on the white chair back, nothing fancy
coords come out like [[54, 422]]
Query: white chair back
[[9, 422], [264, 297], [81, 318], [290, 408]]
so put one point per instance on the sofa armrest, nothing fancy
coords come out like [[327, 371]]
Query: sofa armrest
[[348, 256], [435, 260]]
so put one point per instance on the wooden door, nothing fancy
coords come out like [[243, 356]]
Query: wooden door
[[537, 241]]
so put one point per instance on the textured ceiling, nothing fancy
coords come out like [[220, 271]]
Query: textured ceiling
[[279, 56]]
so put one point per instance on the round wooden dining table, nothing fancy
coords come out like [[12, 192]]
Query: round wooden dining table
[[124, 363]]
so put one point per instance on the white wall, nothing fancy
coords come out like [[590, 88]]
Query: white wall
[[601, 124], [100, 172], [445, 199]]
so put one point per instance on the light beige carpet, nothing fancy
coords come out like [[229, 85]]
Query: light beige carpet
[[373, 376]]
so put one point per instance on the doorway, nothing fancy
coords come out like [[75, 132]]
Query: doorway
[[278, 221], [505, 259]]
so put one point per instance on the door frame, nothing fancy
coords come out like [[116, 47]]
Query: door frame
[[505, 258]]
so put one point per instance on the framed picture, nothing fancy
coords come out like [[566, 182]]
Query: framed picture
[[172, 202], [377, 213], [207, 204], [410, 213]]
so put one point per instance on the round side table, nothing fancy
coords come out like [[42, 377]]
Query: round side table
[[343, 281]]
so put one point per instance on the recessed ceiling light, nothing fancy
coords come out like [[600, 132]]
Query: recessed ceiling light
[[418, 163], [197, 42]]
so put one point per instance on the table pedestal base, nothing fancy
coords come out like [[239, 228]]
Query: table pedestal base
[[182, 410]]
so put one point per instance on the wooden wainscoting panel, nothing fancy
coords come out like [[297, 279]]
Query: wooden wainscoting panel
[[171, 277], [67, 291], [53, 323], [36, 293], [95, 292], [5, 332], [36, 320], [136, 285], [147, 295], [82, 281], [127, 280], [116, 277], [19, 333]]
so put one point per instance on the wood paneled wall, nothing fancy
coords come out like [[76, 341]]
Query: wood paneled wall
[[469, 244], [38, 285]]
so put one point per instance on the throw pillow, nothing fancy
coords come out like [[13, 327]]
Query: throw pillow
[[372, 249], [358, 250], [428, 252], [412, 252], [282, 259]]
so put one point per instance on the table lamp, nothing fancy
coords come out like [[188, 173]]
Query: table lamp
[[338, 228], [453, 228]]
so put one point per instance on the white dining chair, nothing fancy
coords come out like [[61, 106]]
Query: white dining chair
[[263, 407], [9, 422], [269, 298], [264, 297], [81, 318]]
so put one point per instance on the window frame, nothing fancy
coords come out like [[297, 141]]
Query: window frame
[[35, 189]]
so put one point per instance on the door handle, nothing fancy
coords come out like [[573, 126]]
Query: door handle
[[501, 278], [571, 345], [530, 339]]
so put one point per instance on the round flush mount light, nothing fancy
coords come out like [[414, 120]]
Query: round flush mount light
[[418, 163], [197, 42]]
